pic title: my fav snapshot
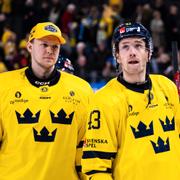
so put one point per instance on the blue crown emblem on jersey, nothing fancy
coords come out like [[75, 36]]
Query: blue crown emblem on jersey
[[50, 28], [161, 146], [62, 117], [143, 130], [44, 135], [28, 117], [168, 125]]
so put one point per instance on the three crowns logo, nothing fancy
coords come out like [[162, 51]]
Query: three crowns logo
[[28, 117], [44, 135], [161, 146], [168, 125], [143, 130], [62, 117]]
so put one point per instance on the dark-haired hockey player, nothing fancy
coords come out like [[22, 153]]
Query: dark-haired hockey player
[[132, 133]]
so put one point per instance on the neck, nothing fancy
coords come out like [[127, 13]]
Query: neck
[[134, 78], [42, 73]]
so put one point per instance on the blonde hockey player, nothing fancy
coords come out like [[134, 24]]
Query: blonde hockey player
[[42, 114]]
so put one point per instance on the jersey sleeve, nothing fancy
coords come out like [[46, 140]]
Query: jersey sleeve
[[101, 140]]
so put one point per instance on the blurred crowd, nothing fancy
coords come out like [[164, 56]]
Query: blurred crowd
[[87, 26]]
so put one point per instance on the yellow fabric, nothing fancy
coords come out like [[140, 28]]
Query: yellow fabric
[[41, 30], [22, 157], [116, 140], [99, 176]]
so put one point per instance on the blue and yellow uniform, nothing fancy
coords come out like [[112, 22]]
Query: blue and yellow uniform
[[132, 133], [41, 125]]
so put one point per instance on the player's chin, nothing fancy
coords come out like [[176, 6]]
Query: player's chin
[[48, 65], [50, 60]]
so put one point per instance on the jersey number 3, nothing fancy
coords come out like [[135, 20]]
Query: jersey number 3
[[94, 122]]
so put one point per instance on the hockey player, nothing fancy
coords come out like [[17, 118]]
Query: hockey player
[[42, 114], [132, 131]]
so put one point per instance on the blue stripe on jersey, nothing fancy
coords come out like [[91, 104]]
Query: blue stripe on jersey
[[98, 154], [108, 170]]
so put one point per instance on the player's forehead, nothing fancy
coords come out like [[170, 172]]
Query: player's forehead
[[132, 40]]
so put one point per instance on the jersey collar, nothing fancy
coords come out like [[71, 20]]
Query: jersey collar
[[147, 85], [35, 81]]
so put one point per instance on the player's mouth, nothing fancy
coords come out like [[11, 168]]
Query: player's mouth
[[133, 62]]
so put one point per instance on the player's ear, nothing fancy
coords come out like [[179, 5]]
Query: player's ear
[[148, 56], [117, 55], [118, 59], [29, 46]]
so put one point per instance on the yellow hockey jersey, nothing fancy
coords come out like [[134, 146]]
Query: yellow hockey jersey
[[41, 127], [132, 132]]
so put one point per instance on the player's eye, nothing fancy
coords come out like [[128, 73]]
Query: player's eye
[[139, 46], [55, 47], [124, 47], [44, 45]]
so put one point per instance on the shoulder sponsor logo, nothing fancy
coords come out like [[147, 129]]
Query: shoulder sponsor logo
[[18, 98], [72, 93], [71, 98], [168, 105], [19, 101], [133, 113], [153, 105], [94, 142], [18, 94]]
